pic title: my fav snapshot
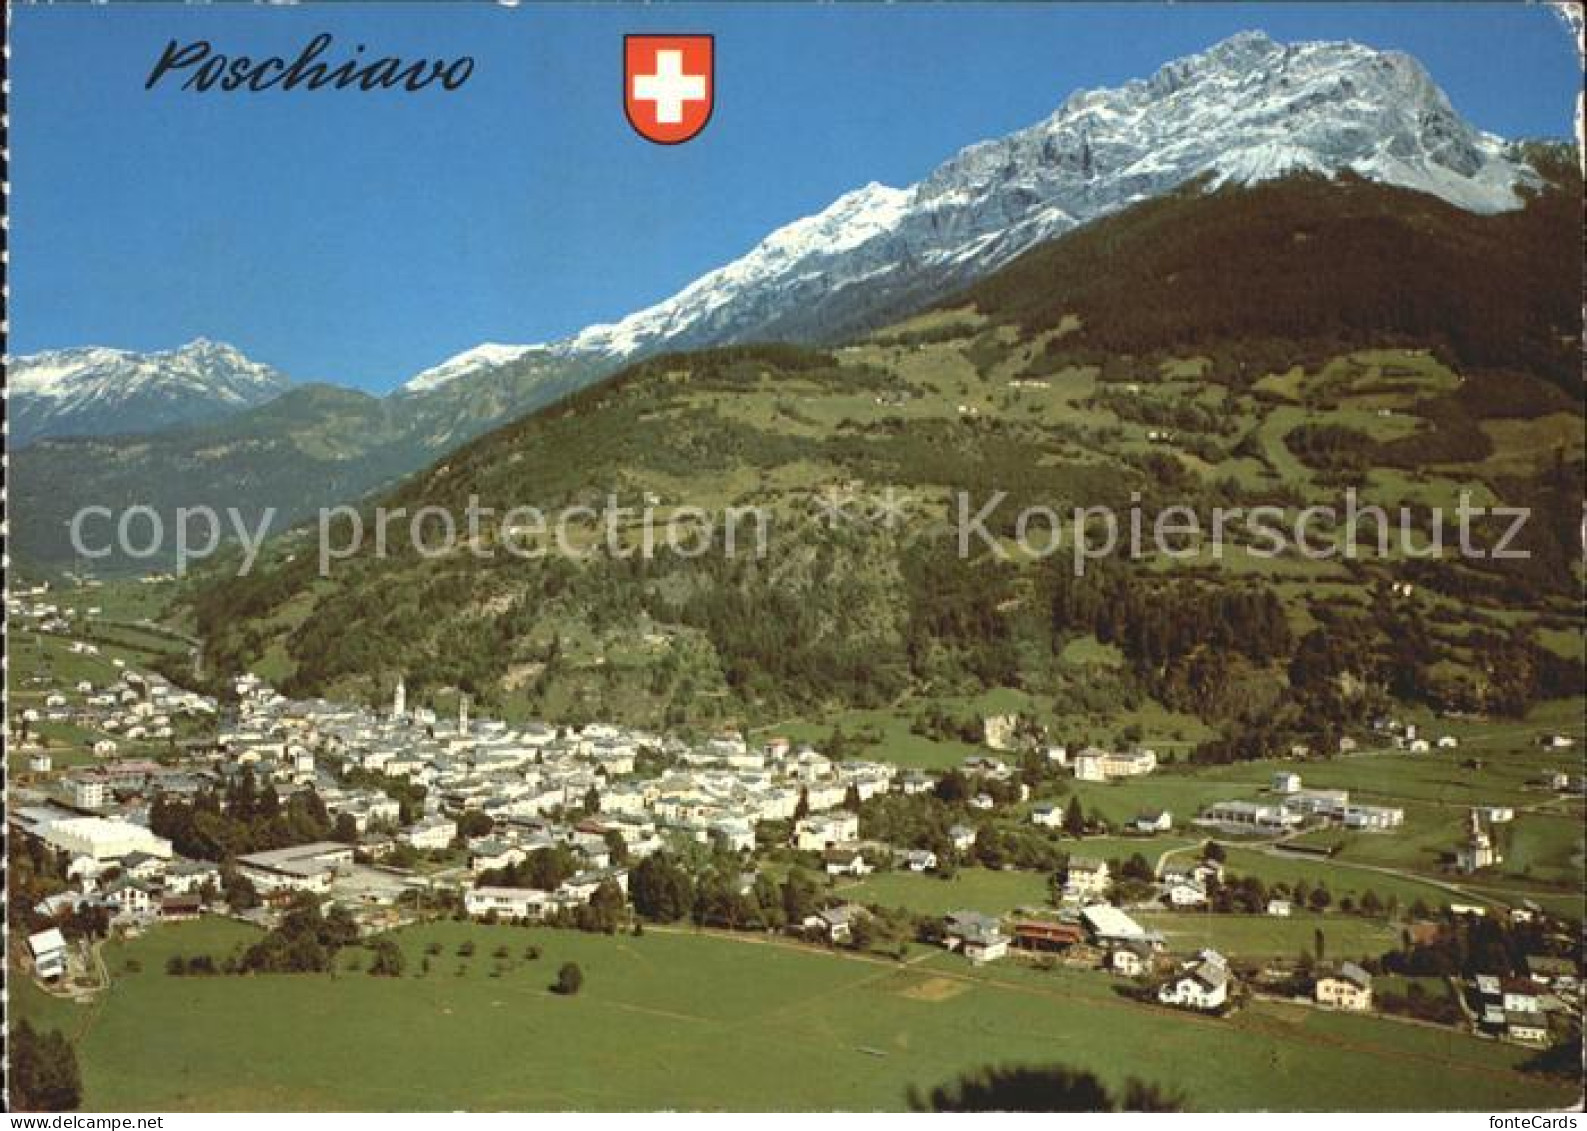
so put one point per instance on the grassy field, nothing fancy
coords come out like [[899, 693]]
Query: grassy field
[[897, 744], [1260, 936], [678, 1021], [975, 889], [121, 600], [1341, 880], [1117, 849]]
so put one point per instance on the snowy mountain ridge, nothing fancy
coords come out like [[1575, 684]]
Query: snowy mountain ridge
[[95, 390], [1246, 110]]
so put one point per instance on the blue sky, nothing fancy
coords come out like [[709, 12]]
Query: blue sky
[[361, 237]]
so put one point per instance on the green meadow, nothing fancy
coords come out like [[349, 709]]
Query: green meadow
[[976, 889], [677, 1020], [1262, 936]]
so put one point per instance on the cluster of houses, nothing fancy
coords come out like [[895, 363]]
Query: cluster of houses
[[580, 790], [539, 786], [1518, 1009], [117, 865], [133, 708], [1408, 737], [31, 605], [1101, 934]]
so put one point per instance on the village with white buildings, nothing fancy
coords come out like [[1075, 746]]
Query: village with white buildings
[[431, 811]]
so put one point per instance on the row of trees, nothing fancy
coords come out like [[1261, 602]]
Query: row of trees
[[544, 869], [306, 941], [243, 818], [1470, 945]]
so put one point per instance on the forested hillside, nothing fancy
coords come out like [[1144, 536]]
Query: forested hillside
[[1272, 346]]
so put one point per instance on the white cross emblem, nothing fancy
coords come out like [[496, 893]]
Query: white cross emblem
[[669, 88]]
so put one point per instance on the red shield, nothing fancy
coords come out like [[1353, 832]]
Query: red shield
[[669, 85]]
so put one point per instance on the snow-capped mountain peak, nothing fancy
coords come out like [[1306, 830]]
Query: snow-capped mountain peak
[[95, 390], [1247, 109], [848, 223]]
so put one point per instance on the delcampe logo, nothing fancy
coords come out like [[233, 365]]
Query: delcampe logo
[[669, 87]]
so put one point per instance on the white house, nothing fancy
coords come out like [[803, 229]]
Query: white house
[[826, 830], [144, 866], [1131, 960], [1183, 892], [1530, 1028], [734, 834], [505, 903], [1154, 821], [490, 855], [915, 782], [1108, 925], [824, 795], [431, 834], [978, 937], [1085, 878], [88, 793], [1319, 802], [1048, 816], [188, 876], [1519, 998], [846, 862], [1286, 782], [1093, 764], [835, 924], [129, 898], [1203, 986], [1376, 818], [49, 953], [1348, 987], [1249, 815]]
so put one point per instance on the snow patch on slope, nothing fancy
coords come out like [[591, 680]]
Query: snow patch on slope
[[489, 355]]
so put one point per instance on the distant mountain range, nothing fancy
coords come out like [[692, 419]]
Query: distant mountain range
[[313, 445], [1247, 110], [94, 391]]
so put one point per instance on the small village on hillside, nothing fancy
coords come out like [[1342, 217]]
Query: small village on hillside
[[392, 816]]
